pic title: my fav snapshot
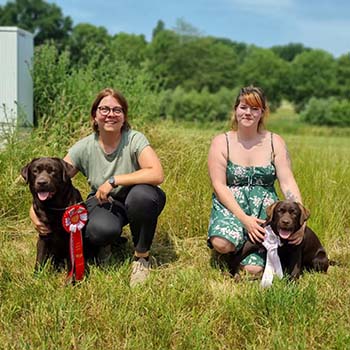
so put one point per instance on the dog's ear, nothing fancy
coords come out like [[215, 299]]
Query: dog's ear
[[304, 213], [24, 170], [68, 170], [269, 212]]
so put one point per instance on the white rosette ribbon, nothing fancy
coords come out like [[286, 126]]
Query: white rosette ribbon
[[273, 263]]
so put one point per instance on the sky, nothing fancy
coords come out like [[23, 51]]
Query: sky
[[319, 24]]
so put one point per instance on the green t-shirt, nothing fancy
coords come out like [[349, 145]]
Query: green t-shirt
[[97, 166]]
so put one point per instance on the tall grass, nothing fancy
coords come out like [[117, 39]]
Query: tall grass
[[187, 303]]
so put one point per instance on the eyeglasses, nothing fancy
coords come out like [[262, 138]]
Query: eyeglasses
[[105, 110]]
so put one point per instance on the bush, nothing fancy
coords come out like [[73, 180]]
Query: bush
[[329, 112], [63, 94], [201, 106]]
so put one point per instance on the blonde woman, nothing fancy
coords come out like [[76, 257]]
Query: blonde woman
[[243, 166]]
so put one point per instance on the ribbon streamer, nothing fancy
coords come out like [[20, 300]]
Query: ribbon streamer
[[273, 263], [73, 220]]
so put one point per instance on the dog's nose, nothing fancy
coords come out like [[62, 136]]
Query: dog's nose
[[41, 182], [285, 221]]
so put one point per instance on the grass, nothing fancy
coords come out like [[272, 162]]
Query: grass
[[187, 303]]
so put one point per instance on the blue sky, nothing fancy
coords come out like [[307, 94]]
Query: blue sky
[[314, 23]]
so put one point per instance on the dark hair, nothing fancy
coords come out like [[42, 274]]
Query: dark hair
[[119, 97], [255, 97]]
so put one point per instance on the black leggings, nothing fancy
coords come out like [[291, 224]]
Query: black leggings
[[141, 209]]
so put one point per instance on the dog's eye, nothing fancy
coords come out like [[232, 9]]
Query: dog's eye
[[49, 170]]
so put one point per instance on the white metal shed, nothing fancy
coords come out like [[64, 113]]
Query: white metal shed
[[16, 83]]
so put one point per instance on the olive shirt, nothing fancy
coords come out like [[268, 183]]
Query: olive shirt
[[88, 157]]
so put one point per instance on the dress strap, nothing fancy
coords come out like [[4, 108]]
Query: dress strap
[[228, 146], [272, 150]]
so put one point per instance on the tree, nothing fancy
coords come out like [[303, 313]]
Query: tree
[[185, 29], [265, 69], [194, 63], [44, 20], [86, 41], [129, 47], [288, 52], [241, 49], [159, 27], [313, 73], [203, 62], [343, 76], [159, 53]]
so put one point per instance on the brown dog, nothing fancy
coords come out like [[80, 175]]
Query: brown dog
[[285, 218], [50, 183]]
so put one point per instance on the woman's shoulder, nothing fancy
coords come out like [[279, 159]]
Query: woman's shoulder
[[273, 135], [222, 137], [85, 140], [136, 139], [277, 140], [132, 134], [219, 143]]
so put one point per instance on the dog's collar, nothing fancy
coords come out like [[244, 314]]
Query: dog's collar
[[65, 208]]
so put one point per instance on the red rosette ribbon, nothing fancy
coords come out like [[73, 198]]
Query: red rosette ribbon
[[73, 220]]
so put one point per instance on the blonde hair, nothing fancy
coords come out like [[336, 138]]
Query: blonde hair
[[253, 96]]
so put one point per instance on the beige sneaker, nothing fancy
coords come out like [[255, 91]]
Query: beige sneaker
[[140, 271]]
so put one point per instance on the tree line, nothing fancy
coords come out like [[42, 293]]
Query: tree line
[[197, 76]]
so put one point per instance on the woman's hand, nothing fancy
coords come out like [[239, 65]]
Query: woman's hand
[[38, 225], [103, 192], [297, 237], [253, 226]]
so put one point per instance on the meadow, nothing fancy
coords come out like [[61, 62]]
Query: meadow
[[187, 303]]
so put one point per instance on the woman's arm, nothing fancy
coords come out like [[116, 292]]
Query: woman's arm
[[38, 225], [287, 181], [284, 171], [68, 159], [151, 173], [217, 163]]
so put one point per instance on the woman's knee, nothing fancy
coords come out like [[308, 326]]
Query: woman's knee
[[253, 269], [100, 234], [144, 200], [222, 245]]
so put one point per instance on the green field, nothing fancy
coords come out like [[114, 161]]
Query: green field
[[187, 303]]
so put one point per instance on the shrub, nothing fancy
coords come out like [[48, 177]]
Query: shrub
[[195, 105], [63, 93], [330, 112]]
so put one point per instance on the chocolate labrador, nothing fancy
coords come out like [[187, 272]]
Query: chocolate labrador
[[50, 183], [285, 218]]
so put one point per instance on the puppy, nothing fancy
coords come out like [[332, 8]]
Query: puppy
[[285, 218], [51, 187]]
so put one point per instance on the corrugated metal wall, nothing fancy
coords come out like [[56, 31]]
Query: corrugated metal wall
[[16, 84]]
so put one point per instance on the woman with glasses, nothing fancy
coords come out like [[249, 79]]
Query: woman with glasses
[[123, 172], [243, 166]]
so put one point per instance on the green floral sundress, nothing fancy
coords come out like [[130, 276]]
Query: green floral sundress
[[253, 188]]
